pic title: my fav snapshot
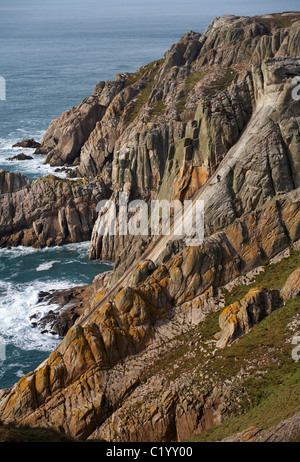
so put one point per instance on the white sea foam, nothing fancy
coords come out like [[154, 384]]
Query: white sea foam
[[18, 304], [82, 248], [46, 266], [18, 251], [34, 167], [19, 300]]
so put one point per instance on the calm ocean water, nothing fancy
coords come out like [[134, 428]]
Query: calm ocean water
[[52, 54]]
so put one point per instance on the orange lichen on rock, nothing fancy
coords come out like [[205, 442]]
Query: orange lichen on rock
[[238, 318]]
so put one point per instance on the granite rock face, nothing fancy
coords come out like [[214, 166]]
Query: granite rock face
[[48, 211], [217, 104], [80, 379], [144, 113], [66, 135], [238, 318]]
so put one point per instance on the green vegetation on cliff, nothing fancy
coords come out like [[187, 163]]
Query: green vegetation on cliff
[[277, 20], [11, 434], [216, 86], [273, 277], [151, 71], [190, 83], [272, 390]]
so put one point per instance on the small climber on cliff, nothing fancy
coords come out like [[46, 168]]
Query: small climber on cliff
[[218, 178]]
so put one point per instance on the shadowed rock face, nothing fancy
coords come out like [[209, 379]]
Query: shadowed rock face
[[226, 107], [12, 182], [48, 211]]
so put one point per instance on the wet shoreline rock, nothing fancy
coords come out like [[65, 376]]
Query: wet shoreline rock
[[48, 211], [69, 306], [30, 144], [21, 156]]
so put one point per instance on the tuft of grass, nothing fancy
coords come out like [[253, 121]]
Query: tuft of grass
[[140, 73], [190, 83], [219, 85]]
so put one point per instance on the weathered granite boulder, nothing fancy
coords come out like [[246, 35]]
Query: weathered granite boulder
[[238, 318], [291, 288]]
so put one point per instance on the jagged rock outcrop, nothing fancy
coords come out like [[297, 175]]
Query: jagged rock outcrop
[[101, 126], [12, 182], [66, 135], [48, 211], [263, 162], [238, 318], [66, 307], [167, 127]]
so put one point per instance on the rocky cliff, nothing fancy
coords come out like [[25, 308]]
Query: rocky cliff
[[163, 351], [48, 211]]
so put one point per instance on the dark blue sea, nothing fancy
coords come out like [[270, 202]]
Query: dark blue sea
[[52, 54]]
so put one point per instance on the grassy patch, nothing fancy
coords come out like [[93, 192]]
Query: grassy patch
[[216, 86], [282, 404], [151, 72], [158, 108], [11, 434], [273, 277], [271, 391], [190, 83], [210, 326], [140, 73], [276, 21]]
